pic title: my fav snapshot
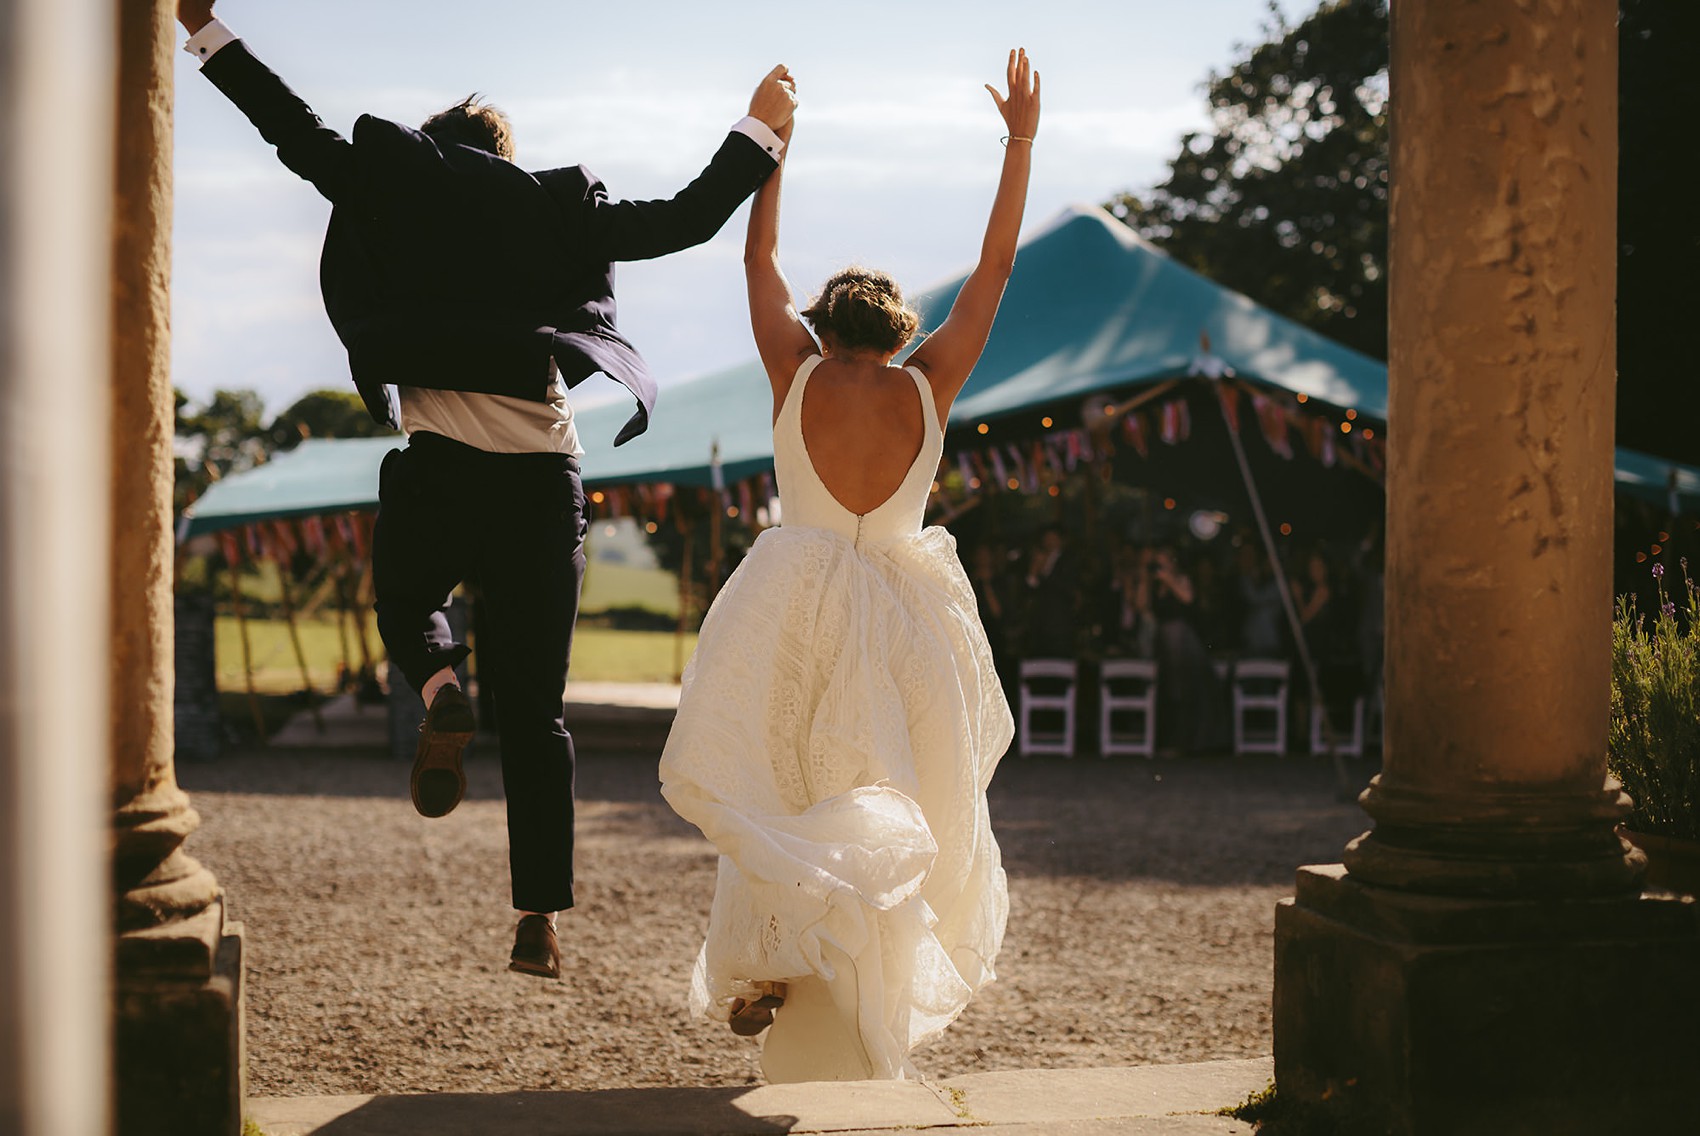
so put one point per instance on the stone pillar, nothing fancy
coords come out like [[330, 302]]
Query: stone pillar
[[1483, 955], [179, 996], [55, 248]]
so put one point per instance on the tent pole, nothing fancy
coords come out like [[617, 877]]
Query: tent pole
[[344, 616], [284, 590], [684, 603], [1342, 781], [247, 653]]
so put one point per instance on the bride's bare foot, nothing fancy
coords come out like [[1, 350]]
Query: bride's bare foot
[[750, 1018]]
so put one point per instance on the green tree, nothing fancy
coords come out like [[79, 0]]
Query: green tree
[[221, 437], [323, 414], [1287, 200], [1658, 283]]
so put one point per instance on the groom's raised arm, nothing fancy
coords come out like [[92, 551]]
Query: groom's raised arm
[[304, 144], [641, 230]]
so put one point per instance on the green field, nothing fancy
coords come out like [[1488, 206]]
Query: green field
[[600, 654]]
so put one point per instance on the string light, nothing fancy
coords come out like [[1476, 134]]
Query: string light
[[1640, 558], [1352, 414], [1664, 536], [1304, 397], [1045, 422], [1286, 529], [650, 527], [983, 428], [598, 497], [1345, 427], [973, 483], [1054, 491], [1014, 484], [1168, 502], [1658, 548], [1368, 433], [731, 510]]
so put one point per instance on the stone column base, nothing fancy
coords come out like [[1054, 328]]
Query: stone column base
[[1411, 1014], [181, 1063]]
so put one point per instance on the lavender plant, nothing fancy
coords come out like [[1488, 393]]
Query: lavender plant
[[1654, 744]]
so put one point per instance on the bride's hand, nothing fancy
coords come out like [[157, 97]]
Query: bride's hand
[[1020, 108]]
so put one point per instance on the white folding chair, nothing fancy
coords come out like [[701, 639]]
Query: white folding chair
[[1047, 690], [1260, 694], [1351, 744], [1127, 689]]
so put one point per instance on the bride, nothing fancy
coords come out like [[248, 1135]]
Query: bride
[[841, 717]]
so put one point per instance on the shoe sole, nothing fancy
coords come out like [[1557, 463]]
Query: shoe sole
[[439, 782], [539, 970], [756, 1016]]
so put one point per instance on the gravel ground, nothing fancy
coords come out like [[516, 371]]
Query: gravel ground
[[1141, 893]]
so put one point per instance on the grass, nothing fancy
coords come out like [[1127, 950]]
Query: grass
[[600, 654]]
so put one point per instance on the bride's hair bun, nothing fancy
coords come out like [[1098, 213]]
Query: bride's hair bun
[[863, 308]]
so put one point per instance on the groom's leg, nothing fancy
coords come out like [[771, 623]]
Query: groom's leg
[[417, 558], [530, 567]]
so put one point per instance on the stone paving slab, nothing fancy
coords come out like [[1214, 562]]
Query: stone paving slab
[[1155, 1100]]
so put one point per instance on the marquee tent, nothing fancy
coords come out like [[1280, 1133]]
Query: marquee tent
[[1090, 308]]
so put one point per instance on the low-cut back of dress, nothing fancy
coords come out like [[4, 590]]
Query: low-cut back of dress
[[838, 726]]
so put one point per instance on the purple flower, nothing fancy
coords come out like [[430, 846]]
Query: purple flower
[[1658, 571], [1667, 608]]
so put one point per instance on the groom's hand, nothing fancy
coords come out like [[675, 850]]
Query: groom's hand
[[194, 14], [775, 99]]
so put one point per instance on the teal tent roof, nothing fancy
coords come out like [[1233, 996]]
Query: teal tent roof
[[1089, 307]]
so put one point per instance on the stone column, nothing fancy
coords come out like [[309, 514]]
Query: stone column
[[179, 997], [1479, 960], [55, 249]]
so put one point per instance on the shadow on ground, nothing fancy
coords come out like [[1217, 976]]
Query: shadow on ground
[[539, 1114]]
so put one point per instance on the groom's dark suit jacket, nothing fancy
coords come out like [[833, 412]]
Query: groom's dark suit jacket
[[447, 267]]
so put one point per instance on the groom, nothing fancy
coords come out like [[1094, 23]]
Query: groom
[[471, 296]]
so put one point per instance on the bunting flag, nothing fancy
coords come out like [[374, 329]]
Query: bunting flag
[[1133, 425], [313, 535], [284, 543], [1230, 398], [227, 544], [1272, 417], [998, 470], [746, 502], [1176, 422]]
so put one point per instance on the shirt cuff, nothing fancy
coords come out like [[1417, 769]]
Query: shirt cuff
[[761, 134], [204, 44]]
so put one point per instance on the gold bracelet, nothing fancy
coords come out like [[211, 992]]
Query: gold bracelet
[[1008, 138]]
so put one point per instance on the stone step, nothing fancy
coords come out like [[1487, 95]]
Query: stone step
[[1148, 1100]]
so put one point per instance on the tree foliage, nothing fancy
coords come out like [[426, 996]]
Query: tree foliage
[[1658, 286], [1287, 200], [323, 414], [228, 433]]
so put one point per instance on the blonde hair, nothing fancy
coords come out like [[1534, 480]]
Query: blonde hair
[[863, 308], [473, 122]]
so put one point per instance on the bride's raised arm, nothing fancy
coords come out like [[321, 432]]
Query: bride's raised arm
[[781, 339], [949, 354]]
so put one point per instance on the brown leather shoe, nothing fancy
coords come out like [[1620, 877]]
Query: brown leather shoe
[[536, 949], [438, 781]]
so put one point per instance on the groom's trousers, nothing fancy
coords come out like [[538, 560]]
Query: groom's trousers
[[514, 526]]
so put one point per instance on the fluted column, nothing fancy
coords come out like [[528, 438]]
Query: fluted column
[[1484, 957], [178, 1029]]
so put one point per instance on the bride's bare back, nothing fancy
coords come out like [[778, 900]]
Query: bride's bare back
[[862, 427]]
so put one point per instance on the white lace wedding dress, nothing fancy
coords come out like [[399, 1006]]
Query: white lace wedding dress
[[839, 724]]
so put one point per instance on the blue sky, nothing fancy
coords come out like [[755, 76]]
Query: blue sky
[[894, 162]]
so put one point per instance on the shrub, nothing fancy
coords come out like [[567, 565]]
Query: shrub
[[1654, 744]]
